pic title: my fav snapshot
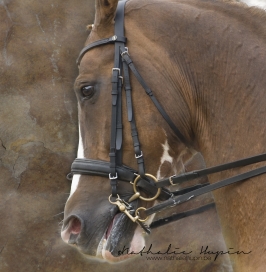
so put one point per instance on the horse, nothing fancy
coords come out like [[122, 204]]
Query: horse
[[204, 61]]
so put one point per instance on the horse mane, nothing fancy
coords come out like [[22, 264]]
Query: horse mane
[[259, 13], [254, 17], [253, 10]]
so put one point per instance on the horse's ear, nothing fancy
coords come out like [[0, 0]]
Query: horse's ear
[[105, 11]]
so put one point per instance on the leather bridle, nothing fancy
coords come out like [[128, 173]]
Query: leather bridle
[[115, 169]]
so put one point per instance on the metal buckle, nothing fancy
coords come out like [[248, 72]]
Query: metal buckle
[[123, 207], [116, 69], [69, 176], [171, 181], [137, 214], [139, 156], [125, 52], [175, 203], [190, 197], [110, 177]]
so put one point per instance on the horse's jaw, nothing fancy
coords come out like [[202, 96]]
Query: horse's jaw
[[111, 243], [136, 245]]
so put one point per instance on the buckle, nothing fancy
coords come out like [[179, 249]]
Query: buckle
[[125, 52], [139, 156], [171, 181], [116, 69], [175, 203], [69, 176], [110, 177]]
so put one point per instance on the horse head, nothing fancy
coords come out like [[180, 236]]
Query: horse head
[[201, 81], [92, 222]]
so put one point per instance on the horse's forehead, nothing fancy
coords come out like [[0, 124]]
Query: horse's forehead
[[95, 59]]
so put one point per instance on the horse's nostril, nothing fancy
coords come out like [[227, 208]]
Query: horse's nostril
[[75, 226], [71, 230]]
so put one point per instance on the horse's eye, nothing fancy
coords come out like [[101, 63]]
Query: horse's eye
[[87, 91]]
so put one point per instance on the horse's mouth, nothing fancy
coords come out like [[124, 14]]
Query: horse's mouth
[[121, 240]]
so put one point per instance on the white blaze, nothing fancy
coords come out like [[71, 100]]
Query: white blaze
[[165, 158], [75, 180]]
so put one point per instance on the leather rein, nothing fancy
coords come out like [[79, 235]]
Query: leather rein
[[115, 170]]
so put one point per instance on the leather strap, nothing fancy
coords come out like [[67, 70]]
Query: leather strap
[[189, 189], [116, 118], [175, 217], [110, 40], [131, 119], [113, 151], [211, 170], [188, 196], [101, 168], [149, 92], [125, 173]]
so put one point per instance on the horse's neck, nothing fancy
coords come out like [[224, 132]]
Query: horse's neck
[[209, 66], [231, 102], [229, 75]]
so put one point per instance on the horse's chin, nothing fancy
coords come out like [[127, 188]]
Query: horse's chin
[[136, 245]]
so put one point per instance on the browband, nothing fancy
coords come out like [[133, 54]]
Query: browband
[[110, 40]]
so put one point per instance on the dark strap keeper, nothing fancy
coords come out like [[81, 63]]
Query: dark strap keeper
[[149, 92], [140, 160], [120, 39], [111, 155]]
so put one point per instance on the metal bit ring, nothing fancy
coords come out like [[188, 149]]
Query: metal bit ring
[[136, 191], [114, 203], [136, 213]]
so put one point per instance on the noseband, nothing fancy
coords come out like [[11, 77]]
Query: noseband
[[115, 170]]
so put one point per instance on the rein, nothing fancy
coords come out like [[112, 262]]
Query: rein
[[115, 170]]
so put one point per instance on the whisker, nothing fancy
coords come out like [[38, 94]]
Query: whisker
[[58, 214]]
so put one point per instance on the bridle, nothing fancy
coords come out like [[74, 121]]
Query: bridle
[[115, 170]]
